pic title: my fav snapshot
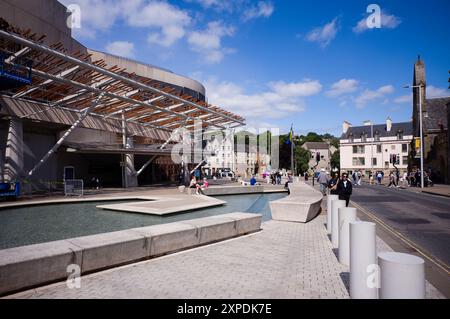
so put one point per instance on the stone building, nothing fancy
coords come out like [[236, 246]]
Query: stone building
[[321, 153], [361, 151], [435, 114]]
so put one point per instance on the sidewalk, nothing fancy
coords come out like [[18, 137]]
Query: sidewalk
[[284, 260]]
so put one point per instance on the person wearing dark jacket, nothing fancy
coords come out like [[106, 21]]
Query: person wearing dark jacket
[[344, 189], [333, 183]]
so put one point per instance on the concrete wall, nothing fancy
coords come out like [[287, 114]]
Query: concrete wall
[[148, 71], [34, 265], [47, 17]]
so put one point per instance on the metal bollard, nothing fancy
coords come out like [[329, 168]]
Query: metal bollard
[[346, 216], [329, 199], [335, 205], [363, 261], [402, 276]]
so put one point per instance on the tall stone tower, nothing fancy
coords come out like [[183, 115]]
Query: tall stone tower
[[419, 79]]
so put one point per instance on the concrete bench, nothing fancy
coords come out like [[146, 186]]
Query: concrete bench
[[232, 190], [302, 205], [34, 265]]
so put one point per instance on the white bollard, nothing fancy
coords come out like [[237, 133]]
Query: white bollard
[[364, 271], [335, 205], [329, 199], [402, 276], [346, 216]]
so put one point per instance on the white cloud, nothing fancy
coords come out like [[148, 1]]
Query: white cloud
[[324, 35], [434, 92], [262, 9], [296, 89], [218, 5], [96, 15], [208, 42], [343, 86], [280, 100], [369, 95], [166, 23], [121, 48], [404, 99], [388, 21]]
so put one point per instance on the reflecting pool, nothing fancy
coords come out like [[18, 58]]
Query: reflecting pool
[[43, 223]]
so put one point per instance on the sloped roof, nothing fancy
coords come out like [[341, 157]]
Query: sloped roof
[[316, 145], [357, 131]]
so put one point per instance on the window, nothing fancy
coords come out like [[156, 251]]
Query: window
[[364, 138], [378, 148], [377, 136], [405, 148], [350, 138], [374, 161], [359, 161], [358, 149], [405, 160], [400, 135]]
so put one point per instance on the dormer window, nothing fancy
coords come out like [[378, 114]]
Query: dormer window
[[350, 138], [363, 138], [376, 136], [400, 135]]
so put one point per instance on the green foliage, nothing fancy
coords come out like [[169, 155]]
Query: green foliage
[[336, 160], [302, 157]]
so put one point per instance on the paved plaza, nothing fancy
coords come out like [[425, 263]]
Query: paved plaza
[[284, 260]]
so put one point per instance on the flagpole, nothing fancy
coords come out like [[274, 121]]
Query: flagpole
[[292, 152]]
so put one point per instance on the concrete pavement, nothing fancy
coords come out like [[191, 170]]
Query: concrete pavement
[[284, 260]]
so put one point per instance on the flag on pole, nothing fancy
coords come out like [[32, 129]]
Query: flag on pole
[[290, 139]]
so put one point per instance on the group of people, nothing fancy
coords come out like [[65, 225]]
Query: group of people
[[197, 186], [337, 186], [275, 178], [407, 179]]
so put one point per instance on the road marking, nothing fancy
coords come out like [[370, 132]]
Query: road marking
[[410, 243]]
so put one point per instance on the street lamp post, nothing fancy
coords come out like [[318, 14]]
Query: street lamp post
[[421, 131], [371, 145]]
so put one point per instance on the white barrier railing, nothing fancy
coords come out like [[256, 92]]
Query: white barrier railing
[[73, 187]]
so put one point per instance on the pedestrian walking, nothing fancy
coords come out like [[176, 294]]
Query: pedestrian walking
[[323, 180], [392, 179], [344, 189], [333, 183], [379, 178]]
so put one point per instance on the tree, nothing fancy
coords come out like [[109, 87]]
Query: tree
[[336, 160], [302, 157]]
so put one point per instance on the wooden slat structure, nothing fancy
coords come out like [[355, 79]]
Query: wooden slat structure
[[73, 81]]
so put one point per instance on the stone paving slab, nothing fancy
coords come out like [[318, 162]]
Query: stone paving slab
[[284, 260], [164, 205]]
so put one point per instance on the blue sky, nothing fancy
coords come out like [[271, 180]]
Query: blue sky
[[310, 63]]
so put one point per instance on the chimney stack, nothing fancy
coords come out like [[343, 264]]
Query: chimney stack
[[345, 126], [388, 124]]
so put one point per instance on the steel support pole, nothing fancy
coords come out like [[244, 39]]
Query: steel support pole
[[103, 71], [422, 149], [63, 138], [139, 172]]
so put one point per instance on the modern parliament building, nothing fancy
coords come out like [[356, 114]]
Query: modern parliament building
[[69, 112]]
